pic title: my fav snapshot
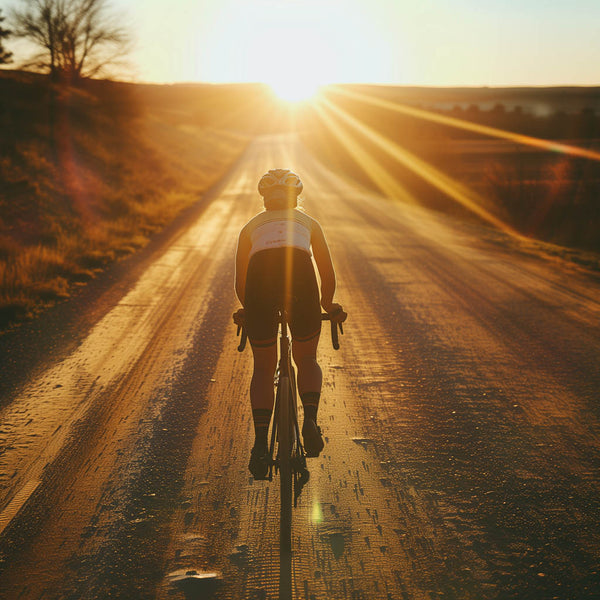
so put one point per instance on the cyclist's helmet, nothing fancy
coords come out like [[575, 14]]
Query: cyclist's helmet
[[280, 178]]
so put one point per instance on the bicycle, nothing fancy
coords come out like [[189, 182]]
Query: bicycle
[[290, 458]]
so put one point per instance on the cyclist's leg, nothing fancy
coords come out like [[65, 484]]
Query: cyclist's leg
[[261, 391], [262, 399], [260, 308], [305, 323], [261, 325], [261, 386], [309, 387], [310, 376]]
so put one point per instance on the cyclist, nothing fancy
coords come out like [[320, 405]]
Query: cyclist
[[274, 270]]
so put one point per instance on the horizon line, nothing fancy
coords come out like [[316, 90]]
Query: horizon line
[[141, 81]]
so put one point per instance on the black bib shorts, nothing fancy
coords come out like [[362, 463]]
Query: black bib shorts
[[281, 278]]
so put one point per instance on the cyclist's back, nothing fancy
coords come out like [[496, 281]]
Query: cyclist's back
[[276, 228], [281, 276]]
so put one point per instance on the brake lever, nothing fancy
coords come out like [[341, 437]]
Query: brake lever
[[335, 341], [242, 343]]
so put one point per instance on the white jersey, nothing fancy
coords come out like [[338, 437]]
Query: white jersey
[[279, 228]]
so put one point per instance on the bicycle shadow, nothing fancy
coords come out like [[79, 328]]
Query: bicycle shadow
[[337, 541], [337, 537]]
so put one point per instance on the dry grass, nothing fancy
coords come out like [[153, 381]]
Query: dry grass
[[543, 194], [86, 177]]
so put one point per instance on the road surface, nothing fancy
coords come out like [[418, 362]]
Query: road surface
[[461, 417]]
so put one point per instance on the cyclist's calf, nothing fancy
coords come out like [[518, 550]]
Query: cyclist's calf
[[309, 372], [261, 387]]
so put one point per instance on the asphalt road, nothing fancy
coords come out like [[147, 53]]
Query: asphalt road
[[461, 417]]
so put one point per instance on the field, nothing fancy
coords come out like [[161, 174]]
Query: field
[[88, 174], [434, 147]]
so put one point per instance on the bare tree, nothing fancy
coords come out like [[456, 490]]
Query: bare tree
[[75, 38], [5, 56]]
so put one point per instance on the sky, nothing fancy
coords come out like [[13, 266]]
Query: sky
[[406, 42]]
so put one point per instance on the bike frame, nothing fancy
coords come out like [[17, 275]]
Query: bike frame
[[285, 420], [289, 450]]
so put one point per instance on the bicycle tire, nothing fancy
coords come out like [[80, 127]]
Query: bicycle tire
[[286, 494]]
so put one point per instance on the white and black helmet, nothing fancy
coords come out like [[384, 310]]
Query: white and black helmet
[[280, 178]]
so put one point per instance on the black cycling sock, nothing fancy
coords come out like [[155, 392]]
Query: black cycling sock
[[310, 402], [261, 418]]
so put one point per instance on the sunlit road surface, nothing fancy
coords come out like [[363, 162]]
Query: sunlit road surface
[[461, 416]]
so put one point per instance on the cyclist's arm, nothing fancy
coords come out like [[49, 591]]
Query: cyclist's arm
[[324, 265], [241, 265]]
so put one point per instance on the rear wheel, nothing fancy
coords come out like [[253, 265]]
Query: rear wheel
[[286, 476]]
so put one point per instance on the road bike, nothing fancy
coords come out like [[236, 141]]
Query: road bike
[[286, 453]]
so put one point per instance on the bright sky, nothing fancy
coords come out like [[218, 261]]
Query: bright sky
[[406, 42]]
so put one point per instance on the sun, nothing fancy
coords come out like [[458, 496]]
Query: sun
[[294, 91]]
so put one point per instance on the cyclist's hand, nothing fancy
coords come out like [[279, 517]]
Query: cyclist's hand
[[336, 313], [238, 317]]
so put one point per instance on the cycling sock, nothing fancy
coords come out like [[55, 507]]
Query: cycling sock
[[310, 402], [261, 418]]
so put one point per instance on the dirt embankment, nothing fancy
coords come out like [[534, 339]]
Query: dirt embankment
[[88, 173]]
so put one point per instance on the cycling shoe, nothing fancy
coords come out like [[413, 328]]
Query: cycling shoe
[[313, 440], [259, 462]]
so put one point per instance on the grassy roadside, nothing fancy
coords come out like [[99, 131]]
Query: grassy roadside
[[87, 175]]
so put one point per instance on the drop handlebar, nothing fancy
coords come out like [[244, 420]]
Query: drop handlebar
[[335, 325]]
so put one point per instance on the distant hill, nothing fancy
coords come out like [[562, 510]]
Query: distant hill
[[538, 101]]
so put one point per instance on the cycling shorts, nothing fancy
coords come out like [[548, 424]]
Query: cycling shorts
[[281, 278]]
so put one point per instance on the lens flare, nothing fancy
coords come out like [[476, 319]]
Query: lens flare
[[316, 515], [458, 192], [526, 140]]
